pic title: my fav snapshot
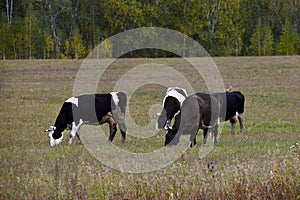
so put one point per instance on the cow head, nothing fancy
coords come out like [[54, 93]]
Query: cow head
[[161, 120], [170, 137], [54, 135]]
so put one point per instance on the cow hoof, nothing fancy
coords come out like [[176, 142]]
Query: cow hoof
[[123, 140]]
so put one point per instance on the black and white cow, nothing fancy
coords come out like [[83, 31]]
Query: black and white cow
[[205, 111], [170, 107], [235, 103], [94, 109]]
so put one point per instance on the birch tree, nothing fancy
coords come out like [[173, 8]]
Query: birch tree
[[9, 11], [74, 16], [212, 11], [51, 9]]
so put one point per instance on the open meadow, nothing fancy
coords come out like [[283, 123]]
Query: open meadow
[[263, 163]]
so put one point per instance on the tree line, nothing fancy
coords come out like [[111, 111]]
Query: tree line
[[43, 29]]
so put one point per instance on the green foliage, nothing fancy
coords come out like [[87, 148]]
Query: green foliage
[[262, 40], [288, 41], [230, 32], [4, 40], [77, 46], [123, 14], [222, 27], [49, 46]]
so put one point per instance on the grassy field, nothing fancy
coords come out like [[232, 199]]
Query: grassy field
[[260, 164]]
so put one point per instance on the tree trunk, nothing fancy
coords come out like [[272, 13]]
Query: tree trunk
[[3, 55], [92, 23], [212, 19], [73, 20], [9, 9], [50, 12], [295, 13], [55, 51]]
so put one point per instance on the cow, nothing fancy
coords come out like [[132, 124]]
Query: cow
[[235, 103], [93, 109], [170, 107], [205, 111]]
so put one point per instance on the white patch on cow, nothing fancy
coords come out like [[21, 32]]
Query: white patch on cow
[[172, 92], [156, 123], [176, 88], [72, 100], [58, 141], [55, 141], [176, 113], [115, 97]]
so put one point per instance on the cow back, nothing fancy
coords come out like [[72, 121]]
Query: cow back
[[92, 107]]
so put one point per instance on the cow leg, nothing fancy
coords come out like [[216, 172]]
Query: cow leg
[[241, 121], [120, 118], [233, 125], [233, 122], [205, 135], [78, 136], [161, 120], [112, 131], [193, 141], [75, 130], [123, 131], [215, 131]]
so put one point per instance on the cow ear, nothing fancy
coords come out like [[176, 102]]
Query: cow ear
[[51, 128]]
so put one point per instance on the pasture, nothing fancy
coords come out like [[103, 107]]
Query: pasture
[[260, 164]]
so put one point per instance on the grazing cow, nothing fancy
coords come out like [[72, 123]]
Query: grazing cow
[[171, 107], [205, 111], [94, 109]]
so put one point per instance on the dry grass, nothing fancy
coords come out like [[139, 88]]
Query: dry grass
[[256, 165]]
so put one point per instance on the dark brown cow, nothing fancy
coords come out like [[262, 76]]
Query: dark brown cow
[[205, 111]]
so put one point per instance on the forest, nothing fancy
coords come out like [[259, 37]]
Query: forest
[[70, 29]]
